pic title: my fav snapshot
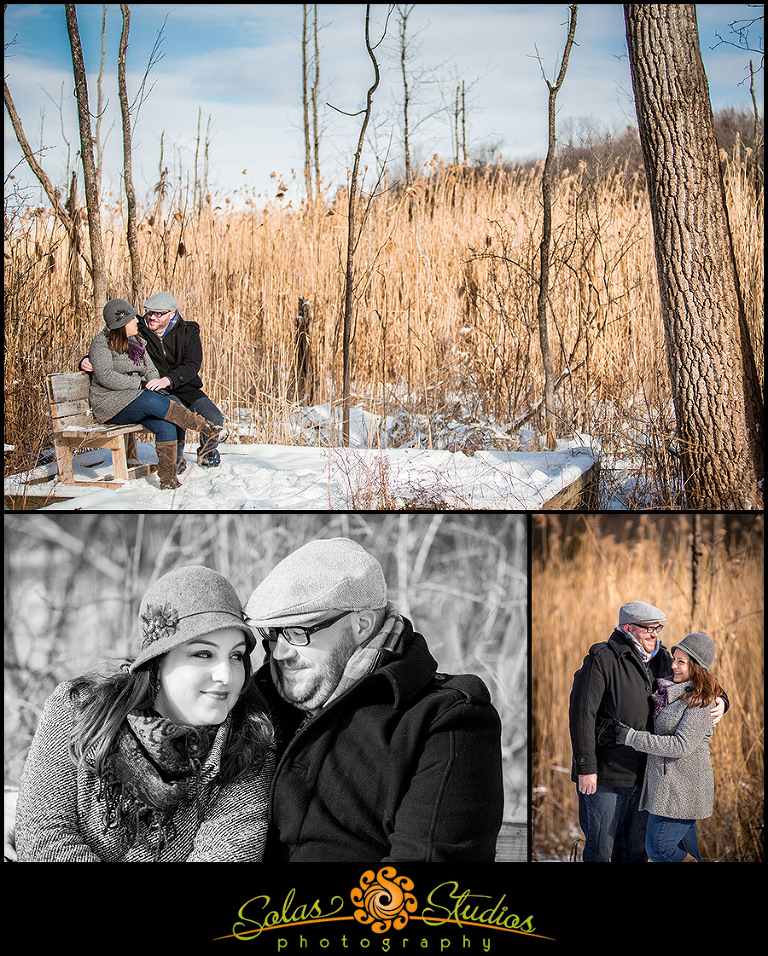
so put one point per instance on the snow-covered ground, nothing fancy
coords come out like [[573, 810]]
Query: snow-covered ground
[[317, 474]]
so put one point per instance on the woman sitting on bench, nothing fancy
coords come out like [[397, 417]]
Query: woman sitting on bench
[[118, 396]]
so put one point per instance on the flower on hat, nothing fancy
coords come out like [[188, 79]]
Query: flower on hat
[[159, 622]]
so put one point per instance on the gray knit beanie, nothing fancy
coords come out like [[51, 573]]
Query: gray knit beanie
[[117, 313], [638, 612], [161, 302], [185, 604], [699, 646], [323, 575]]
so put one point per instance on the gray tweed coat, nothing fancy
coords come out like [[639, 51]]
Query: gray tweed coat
[[116, 379], [678, 782], [59, 819]]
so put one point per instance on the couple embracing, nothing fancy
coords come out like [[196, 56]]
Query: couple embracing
[[641, 718]]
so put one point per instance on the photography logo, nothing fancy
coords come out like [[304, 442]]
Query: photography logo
[[377, 912]]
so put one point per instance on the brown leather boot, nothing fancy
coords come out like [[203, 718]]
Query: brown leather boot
[[166, 464], [185, 418]]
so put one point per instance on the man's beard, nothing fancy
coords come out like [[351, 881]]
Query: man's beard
[[315, 686]]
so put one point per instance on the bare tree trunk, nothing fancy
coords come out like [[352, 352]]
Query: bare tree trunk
[[130, 193], [305, 104], [89, 166], [716, 391], [100, 102], [315, 127], [53, 194], [351, 242], [404, 13], [546, 239]]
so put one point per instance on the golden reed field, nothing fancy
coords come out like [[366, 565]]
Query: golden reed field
[[445, 303], [706, 572]]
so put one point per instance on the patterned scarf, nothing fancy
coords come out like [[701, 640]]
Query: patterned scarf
[[136, 350], [155, 768], [661, 696], [645, 657], [366, 657]]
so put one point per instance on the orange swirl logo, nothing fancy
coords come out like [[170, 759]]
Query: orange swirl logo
[[383, 900]]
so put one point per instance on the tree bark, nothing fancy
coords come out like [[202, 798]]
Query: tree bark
[[716, 391], [130, 193], [89, 166]]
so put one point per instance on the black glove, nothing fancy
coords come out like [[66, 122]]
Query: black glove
[[612, 733]]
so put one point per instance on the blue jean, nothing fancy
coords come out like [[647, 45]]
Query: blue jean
[[668, 840], [613, 825], [149, 409]]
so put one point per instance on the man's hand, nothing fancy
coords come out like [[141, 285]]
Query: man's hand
[[587, 783], [717, 710], [155, 384]]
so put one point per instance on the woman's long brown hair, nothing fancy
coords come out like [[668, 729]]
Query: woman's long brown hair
[[104, 700], [117, 340], [704, 687]]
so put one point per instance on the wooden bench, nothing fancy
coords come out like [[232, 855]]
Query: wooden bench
[[75, 430]]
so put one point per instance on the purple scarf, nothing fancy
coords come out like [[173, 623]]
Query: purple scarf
[[660, 697], [136, 350]]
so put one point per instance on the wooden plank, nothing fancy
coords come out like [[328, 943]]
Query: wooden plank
[[77, 407], [96, 432], [68, 386], [579, 495], [512, 843]]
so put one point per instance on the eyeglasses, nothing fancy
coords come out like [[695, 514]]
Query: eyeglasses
[[651, 630], [297, 635], [157, 315]]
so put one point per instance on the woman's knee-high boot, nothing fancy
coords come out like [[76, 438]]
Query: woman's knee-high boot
[[185, 418], [166, 464]]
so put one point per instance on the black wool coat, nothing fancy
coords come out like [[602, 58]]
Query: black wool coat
[[613, 683], [405, 765], [179, 355]]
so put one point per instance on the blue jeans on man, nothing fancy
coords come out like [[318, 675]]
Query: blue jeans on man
[[614, 825]]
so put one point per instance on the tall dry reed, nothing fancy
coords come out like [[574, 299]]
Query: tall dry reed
[[583, 569], [445, 302]]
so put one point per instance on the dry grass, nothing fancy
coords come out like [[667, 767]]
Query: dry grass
[[583, 570], [73, 586], [445, 304]]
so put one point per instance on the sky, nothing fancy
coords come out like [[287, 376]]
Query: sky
[[240, 65]]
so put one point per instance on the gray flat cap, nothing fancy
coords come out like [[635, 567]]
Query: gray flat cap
[[117, 313], [638, 612], [699, 646], [162, 302], [323, 575], [185, 604]]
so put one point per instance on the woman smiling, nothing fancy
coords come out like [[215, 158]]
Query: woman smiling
[[167, 759]]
